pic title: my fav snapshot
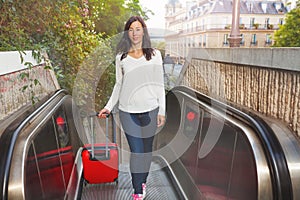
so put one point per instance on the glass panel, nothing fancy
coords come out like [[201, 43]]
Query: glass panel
[[215, 157], [32, 187], [191, 129], [244, 176], [65, 150], [172, 127], [62, 129], [49, 162]]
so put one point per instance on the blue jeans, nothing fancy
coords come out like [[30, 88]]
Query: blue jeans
[[139, 129]]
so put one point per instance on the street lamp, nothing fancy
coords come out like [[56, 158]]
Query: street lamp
[[235, 36]]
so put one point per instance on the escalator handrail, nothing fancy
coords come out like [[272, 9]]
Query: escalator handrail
[[12, 142], [281, 180]]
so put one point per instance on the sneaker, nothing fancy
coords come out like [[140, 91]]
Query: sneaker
[[138, 197], [144, 189]]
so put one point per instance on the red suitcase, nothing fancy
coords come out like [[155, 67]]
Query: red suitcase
[[100, 160]]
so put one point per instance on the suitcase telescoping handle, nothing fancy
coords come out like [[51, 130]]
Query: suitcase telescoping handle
[[92, 115]]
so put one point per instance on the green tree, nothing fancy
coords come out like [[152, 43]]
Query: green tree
[[288, 34], [62, 28], [69, 31], [109, 16]]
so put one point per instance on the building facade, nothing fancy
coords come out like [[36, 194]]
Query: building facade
[[207, 24]]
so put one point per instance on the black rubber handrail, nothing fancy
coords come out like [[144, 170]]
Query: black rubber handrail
[[9, 142], [281, 180]]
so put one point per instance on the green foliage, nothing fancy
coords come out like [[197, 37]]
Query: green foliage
[[95, 78], [26, 77], [288, 34], [61, 28], [109, 16], [68, 31]]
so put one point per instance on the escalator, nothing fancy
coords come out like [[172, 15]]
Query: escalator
[[206, 150], [228, 153], [38, 148]]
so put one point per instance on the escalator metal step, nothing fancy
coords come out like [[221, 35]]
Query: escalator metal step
[[159, 186]]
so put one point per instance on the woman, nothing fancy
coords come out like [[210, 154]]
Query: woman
[[139, 89]]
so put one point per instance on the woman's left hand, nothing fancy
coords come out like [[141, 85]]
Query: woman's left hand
[[160, 120]]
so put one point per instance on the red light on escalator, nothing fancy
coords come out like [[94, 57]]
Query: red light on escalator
[[60, 121], [190, 116]]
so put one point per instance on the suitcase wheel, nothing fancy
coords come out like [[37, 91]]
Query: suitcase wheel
[[116, 181]]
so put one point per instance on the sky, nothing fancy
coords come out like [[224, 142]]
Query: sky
[[158, 7]]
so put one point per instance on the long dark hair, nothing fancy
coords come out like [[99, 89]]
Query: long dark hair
[[125, 43]]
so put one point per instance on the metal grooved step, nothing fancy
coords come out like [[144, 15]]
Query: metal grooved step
[[159, 187]]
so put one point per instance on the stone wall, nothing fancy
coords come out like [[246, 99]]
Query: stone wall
[[12, 95], [264, 80]]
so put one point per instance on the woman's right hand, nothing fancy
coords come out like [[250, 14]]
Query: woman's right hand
[[103, 113]]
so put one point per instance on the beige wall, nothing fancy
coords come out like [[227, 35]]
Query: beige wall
[[265, 81]]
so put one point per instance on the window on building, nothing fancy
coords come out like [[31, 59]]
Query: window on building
[[252, 21], [243, 40], [268, 39], [225, 41], [253, 39], [193, 42], [204, 40], [241, 24], [278, 6], [200, 41], [267, 22], [264, 6], [249, 6], [281, 21]]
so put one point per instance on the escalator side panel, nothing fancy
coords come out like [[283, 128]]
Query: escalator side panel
[[8, 128], [233, 165], [33, 186], [45, 151], [274, 151], [49, 162], [214, 169], [291, 147], [244, 181]]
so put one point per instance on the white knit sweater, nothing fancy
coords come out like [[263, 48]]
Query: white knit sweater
[[139, 85]]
